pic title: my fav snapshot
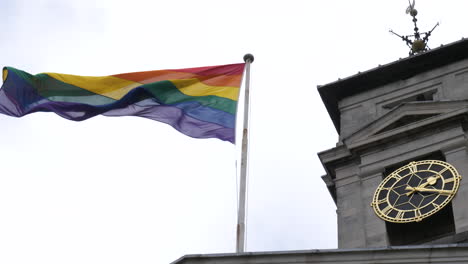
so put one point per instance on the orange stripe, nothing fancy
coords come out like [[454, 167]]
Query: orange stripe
[[156, 76]]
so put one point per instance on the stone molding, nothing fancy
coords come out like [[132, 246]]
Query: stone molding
[[449, 253]]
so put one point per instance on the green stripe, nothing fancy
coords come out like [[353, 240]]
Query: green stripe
[[26, 76], [59, 91], [168, 93]]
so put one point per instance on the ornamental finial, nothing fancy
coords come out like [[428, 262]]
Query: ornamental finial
[[418, 41]]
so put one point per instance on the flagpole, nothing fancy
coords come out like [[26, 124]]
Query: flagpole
[[240, 242]]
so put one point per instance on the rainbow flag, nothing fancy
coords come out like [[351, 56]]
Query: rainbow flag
[[199, 102]]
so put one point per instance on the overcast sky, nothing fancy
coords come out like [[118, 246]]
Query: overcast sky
[[131, 190]]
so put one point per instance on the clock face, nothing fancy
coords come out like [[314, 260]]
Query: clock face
[[416, 191]]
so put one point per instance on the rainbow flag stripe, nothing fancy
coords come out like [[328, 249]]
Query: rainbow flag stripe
[[199, 102]]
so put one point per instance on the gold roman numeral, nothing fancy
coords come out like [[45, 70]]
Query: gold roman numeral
[[400, 215], [449, 180], [386, 209], [381, 201], [378, 202], [412, 167], [442, 171], [430, 165], [418, 215]]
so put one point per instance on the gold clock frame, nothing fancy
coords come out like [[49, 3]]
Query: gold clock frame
[[412, 169]]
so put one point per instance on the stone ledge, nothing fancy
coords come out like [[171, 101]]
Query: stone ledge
[[448, 253]]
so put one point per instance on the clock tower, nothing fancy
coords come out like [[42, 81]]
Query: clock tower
[[399, 171]]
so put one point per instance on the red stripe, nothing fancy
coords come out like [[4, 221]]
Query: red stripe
[[156, 76], [230, 69]]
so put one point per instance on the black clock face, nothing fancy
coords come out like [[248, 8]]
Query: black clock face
[[416, 191]]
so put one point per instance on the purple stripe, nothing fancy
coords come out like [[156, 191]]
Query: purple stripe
[[176, 118], [170, 115]]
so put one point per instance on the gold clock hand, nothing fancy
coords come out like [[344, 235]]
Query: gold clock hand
[[420, 189], [432, 180], [429, 181], [410, 189]]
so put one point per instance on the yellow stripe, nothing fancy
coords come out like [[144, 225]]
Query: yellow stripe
[[194, 87], [5, 74], [109, 86]]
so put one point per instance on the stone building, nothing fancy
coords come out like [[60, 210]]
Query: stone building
[[394, 121]]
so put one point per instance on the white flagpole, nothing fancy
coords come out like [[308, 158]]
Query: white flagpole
[[240, 243]]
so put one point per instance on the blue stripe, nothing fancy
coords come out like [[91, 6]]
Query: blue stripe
[[208, 114]]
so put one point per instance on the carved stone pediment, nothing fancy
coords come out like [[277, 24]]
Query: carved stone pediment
[[405, 118]]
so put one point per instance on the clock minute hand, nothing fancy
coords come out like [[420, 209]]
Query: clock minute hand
[[421, 189], [433, 190]]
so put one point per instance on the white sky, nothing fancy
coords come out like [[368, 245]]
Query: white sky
[[131, 190]]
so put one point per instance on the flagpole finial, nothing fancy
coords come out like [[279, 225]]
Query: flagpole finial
[[248, 58]]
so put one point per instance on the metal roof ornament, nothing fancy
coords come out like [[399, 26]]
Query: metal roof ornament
[[418, 41]]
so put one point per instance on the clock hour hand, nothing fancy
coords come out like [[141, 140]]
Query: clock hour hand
[[421, 189]]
